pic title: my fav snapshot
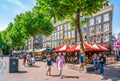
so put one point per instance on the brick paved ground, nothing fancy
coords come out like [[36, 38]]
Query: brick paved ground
[[37, 73]]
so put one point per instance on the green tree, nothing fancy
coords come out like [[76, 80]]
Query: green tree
[[35, 23], [71, 9]]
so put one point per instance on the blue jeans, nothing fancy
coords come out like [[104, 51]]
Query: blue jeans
[[101, 69]]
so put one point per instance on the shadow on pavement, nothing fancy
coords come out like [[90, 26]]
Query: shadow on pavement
[[65, 76], [33, 66], [110, 73], [20, 72], [70, 77]]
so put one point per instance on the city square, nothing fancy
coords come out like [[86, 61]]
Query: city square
[[47, 40]]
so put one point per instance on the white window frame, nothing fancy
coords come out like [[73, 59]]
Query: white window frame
[[91, 29], [98, 37], [98, 27], [69, 34], [106, 36], [73, 33], [98, 19], [106, 27], [68, 26], [65, 35], [106, 17], [91, 21]]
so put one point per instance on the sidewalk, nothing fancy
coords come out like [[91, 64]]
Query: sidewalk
[[37, 73]]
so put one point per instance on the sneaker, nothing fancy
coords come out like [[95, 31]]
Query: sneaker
[[46, 74], [61, 77]]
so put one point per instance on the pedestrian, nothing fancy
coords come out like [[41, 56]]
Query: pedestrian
[[101, 64], [105, 59], [75, 59], [24, 59], [60, 61], [33, 60], [49, 64], [28, 58], [95, 62], [81, 61]]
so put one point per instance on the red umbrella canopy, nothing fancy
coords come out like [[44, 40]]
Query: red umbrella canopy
[[99, 47], [87, 47], [63, 48], [72, 49]]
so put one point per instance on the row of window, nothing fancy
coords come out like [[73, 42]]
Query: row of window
[[59, 35], [98, 28], [66, 27], [100, 39], [98, 19]]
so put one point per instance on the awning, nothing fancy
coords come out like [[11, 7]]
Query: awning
[[63, 49], [58, 47], [72, 49], [28, 51], [99, 47], [87, 47], [106, 45], [40, 50]]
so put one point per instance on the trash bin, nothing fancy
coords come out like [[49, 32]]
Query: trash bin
[[13, 65]]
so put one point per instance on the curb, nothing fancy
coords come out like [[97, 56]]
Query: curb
[[3, 67]]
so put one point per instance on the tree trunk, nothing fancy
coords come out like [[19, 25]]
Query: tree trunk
[[33, 46], [80, 34]]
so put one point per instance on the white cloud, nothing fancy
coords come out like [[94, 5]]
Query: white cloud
[[5, 7], [19, 4], [2, 27]]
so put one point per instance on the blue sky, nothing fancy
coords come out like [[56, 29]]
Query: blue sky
[[10, 8]]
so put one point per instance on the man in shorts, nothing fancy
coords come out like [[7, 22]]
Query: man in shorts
[[81, 60], [60, 61]]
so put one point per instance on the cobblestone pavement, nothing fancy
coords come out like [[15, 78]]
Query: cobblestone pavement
[[37, 73]]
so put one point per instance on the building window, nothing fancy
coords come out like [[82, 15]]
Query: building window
[[65, 35], [106, 17], [106, 38], [73, 33], [68, 26], [69, 34], [84, 29], [58, 35], [91, 22], [92, 39], [98, 19], [106, 27], [61, 34], [92, 30], [98, 29], [65, 27], [98, 39], [55, 36]]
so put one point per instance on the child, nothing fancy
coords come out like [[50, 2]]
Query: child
[[49, 63], [33, 60]]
